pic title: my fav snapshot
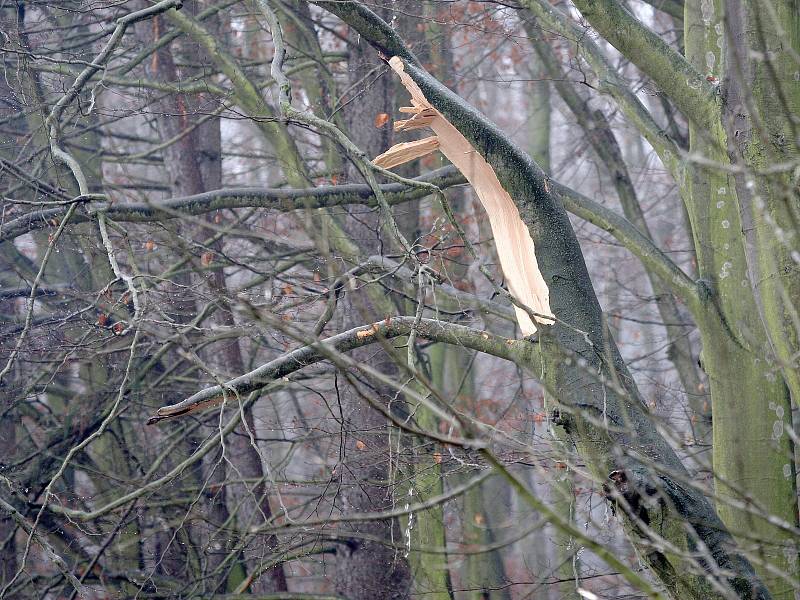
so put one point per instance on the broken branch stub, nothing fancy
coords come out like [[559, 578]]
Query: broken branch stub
[[512, 238], [422, 118]]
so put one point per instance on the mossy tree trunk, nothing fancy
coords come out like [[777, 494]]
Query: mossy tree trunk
[[734, 85], [746, 361]]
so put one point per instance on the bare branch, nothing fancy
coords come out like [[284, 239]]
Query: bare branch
[[430, 329]]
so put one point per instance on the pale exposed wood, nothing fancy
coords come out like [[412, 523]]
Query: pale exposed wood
[[405, 152], [512, 238], [418, 121]]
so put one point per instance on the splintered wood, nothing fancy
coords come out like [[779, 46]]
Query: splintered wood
[[511, 236], [406, 152], [423, 117]]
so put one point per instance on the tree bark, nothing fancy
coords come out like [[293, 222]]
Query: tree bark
[[367, 569], [194, 165]]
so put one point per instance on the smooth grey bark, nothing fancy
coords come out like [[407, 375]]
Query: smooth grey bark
[[484, 508]]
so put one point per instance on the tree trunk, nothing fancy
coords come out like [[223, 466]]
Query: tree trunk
[[601, 137], [750, 398], [367, 569], [194, 165]]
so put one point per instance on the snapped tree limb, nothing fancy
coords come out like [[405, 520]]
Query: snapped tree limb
[[687, 518], [511, 236]]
